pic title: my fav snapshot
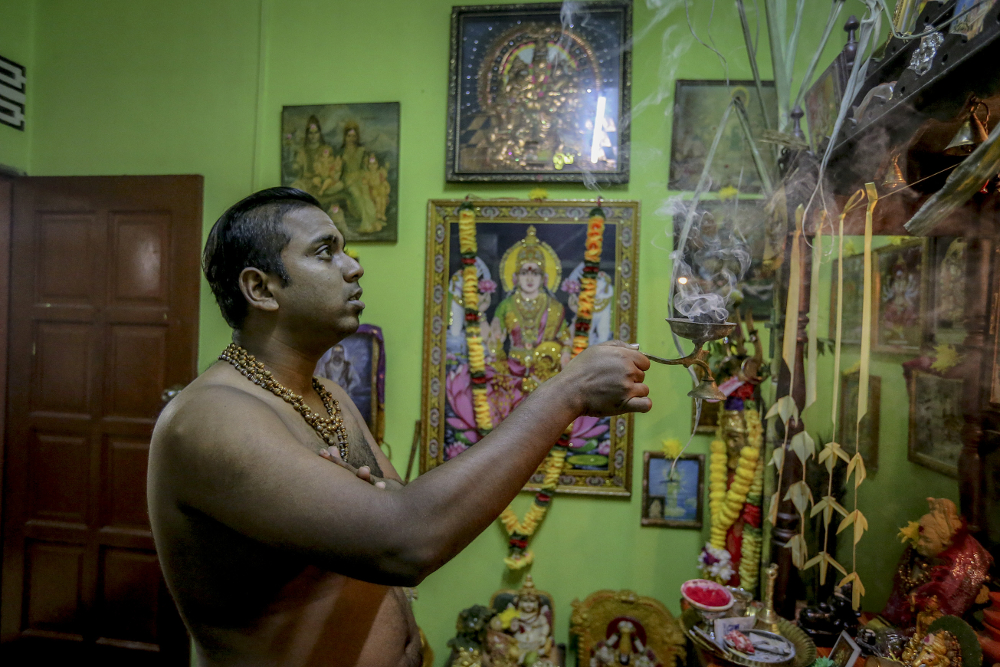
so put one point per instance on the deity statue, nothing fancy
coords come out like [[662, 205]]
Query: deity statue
[[939, 649], [521, 634], [623, 648], [529, 316], [942, 570]]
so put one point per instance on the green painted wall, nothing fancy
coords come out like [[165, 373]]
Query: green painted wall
[[17, 26], [144, 87]]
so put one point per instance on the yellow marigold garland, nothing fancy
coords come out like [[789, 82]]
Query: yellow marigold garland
[[752, 534], [470, 300], [726, 509], [519, 556]]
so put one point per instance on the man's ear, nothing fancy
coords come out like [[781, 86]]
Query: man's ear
[[256, 288]]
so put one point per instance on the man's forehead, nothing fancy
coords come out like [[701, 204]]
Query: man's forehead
[[307, 223]]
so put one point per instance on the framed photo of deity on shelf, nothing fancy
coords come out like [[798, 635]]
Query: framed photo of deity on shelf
[[347, 156], [863, 436], [672, 499], [529, 261], [948, 289], [540, 92], [357, 364], [899, 302], [936, 421], [698, 108]]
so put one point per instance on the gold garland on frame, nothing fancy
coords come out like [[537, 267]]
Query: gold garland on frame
[[520, 532]]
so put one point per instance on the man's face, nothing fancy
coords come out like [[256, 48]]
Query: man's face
[[529, 278], [322, 299]]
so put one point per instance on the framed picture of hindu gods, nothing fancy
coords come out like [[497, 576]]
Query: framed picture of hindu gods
[[854, 280], [936, 421], [852, 435], [540, 92], [725, 232], [672, 498], [347, 156], [529, 262], [698, 108], [357, 364], [899, 303], [948, 290]]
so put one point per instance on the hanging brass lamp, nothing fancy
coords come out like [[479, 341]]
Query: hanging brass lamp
[[894, 178], [971, 133]]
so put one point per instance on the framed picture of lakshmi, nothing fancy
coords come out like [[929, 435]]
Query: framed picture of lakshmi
[[529, 262], [540, 92], [901, 296]]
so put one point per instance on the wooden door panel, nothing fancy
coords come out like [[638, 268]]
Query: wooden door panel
[[62, 241], [55, 588], [57, 478], [104, 304], [124, 504], [140, 254], [129, 597], [135, 370], [61, 377]]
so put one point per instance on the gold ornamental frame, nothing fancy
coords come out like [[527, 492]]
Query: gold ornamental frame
[[590, 618], [622, 224]]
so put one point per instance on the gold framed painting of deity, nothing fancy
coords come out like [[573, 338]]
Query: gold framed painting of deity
[[529, 263], [948, 289], [347, 156], [936, 421], [672, 498], [900, 298], [540, 92]]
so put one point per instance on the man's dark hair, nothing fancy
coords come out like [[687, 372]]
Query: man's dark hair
[[251, 233]]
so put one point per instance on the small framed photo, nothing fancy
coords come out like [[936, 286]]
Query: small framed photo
[[698, 106], [845, 652], [540, 92], [347, 156], [357, 364], [948, 288], [854, 280], [863, 436], [901, 296], [672, 499], [936, 421]]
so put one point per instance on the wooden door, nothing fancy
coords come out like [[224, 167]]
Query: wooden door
[[104, 288]]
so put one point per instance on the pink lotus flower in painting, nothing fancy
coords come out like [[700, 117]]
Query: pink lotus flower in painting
[[503, 393], [585, 428]]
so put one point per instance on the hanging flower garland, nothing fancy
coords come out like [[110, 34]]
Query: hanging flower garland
[[470, 300], [752, 516], [520, 532]]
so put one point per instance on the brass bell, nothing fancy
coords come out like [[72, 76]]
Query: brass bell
[[970, 134], [894, 178]]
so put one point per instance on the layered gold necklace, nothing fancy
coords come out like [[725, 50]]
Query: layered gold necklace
[[330, 429]]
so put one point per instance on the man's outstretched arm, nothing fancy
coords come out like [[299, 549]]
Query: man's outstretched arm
[[247, 473]]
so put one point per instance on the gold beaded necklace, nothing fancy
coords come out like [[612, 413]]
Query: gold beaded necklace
[[330, 429]]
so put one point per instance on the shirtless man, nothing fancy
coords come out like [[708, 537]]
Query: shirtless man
[[277, 556]]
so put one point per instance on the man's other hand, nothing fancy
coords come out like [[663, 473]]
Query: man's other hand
[[609, 379], [362, 473]]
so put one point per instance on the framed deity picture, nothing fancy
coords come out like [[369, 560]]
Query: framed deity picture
[[736, 226], [901, 296], [936, 421], [854, 280], [698, 108], [529, 262], [948, 290], [347, 156], [357, 364], [845, 652], [505, 59], [672, 499], [863, 436], [971, 15]]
